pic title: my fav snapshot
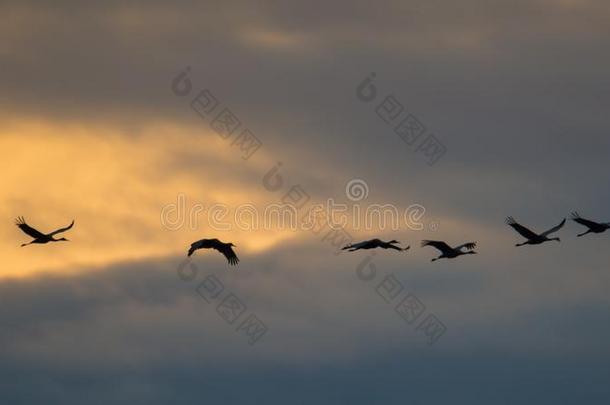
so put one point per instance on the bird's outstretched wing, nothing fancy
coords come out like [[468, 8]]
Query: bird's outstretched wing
[[399, 248], [20, 222], [358, 245], [442, 246], [555, 228], [523, 231], [589, 224], [228, 252], [223, 248], [191, 251], [202, 244], [67, 228], [467, 246]]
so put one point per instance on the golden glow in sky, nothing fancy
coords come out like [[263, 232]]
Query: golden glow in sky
[[114, 185]]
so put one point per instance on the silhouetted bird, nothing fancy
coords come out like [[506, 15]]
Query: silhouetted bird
[[224, 248], [532, 237], [594, 227], [375, 243], [447, 252], [38, 236]]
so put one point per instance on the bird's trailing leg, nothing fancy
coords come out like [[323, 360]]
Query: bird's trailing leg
[[584, 233]]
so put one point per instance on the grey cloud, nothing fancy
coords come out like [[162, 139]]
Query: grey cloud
[[516, 91], [135, 332]]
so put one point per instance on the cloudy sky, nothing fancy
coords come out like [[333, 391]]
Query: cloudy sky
[[112, 115]]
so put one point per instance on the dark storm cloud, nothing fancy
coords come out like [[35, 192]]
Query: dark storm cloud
[[136, 332], [119, 54]]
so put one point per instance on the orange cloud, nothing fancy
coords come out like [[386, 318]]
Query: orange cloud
[[115, 185]]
